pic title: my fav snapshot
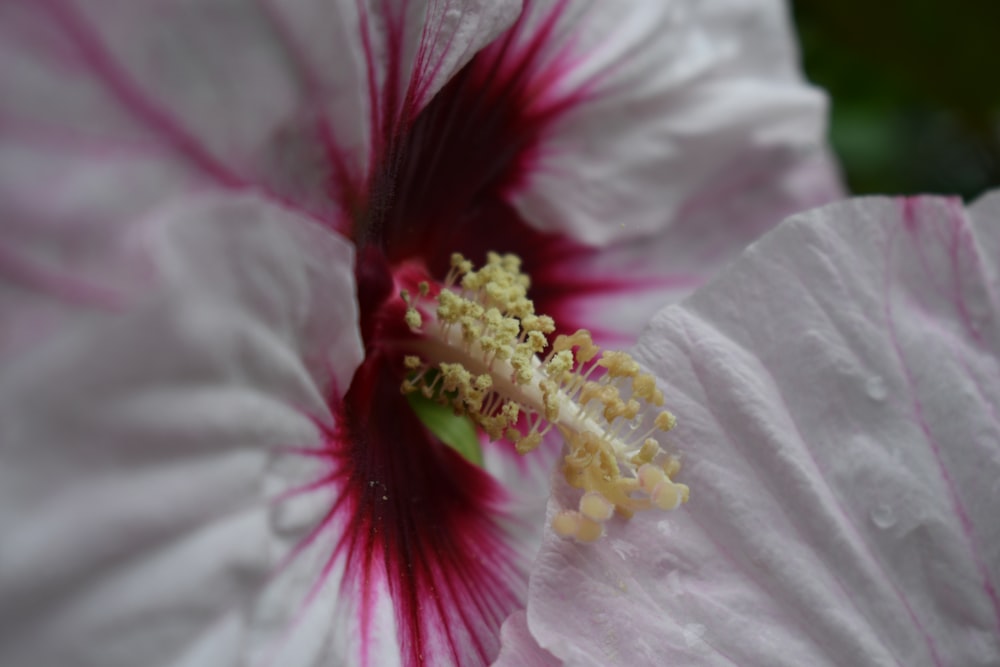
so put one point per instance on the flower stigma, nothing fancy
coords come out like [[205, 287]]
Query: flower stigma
[[479, 349]]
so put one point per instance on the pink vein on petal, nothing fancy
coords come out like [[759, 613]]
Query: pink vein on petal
[[962, 238], [861, 543], [102, 64], [932, 645], [64, 139], [794, 525], [932, 324], [310, 82], [959, 231], [452, 590], [375, 109], [421, 77], [955, 238], [389, 92], [910, 222], [68, 289]]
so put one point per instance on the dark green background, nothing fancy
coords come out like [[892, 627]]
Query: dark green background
[[915, 86]]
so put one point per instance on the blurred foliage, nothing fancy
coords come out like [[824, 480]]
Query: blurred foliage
[[916, 101]]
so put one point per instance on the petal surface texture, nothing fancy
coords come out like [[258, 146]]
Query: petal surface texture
[[838, 401], [663, 98], [139, 454], [519, 648], [110, 108]]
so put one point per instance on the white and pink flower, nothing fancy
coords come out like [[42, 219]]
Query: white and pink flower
[[208, 209]]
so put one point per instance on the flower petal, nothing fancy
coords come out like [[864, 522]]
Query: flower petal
[[631, 281], [138, 446], [519, 648], [417, 555], [838, 402], [660, 97], [109, 108]]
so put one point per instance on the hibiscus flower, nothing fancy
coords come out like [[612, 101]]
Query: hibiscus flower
[[840, 430], [210, 210]]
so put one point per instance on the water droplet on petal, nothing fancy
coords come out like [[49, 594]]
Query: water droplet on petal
[[883, 517], [876, 389]]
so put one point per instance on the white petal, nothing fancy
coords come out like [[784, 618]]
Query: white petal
[[667, 97], [519, 648], [138, 446], [110, 108], [712, 229], [838, 398]]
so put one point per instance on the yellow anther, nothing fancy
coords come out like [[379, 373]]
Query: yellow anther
[[511, 263], [537, 341], [613, 409], [528, 443], [490, 345], [449, 307], [650, 477], [454, 377], [550, 398], [541, 323], [589, 530], [493, 426], [524, 371], [667, 495], [650, 448], [672, 466], [509, 329], [560, 364], [657, 399], [473, 310], [566, 523], [460, 263], [424, 288], [590, 391], [580, 339], [644, 387], [494, 318], [665, 421], [413, 319], [619, 364], [471, 328], [596, 507], [412, 362]]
